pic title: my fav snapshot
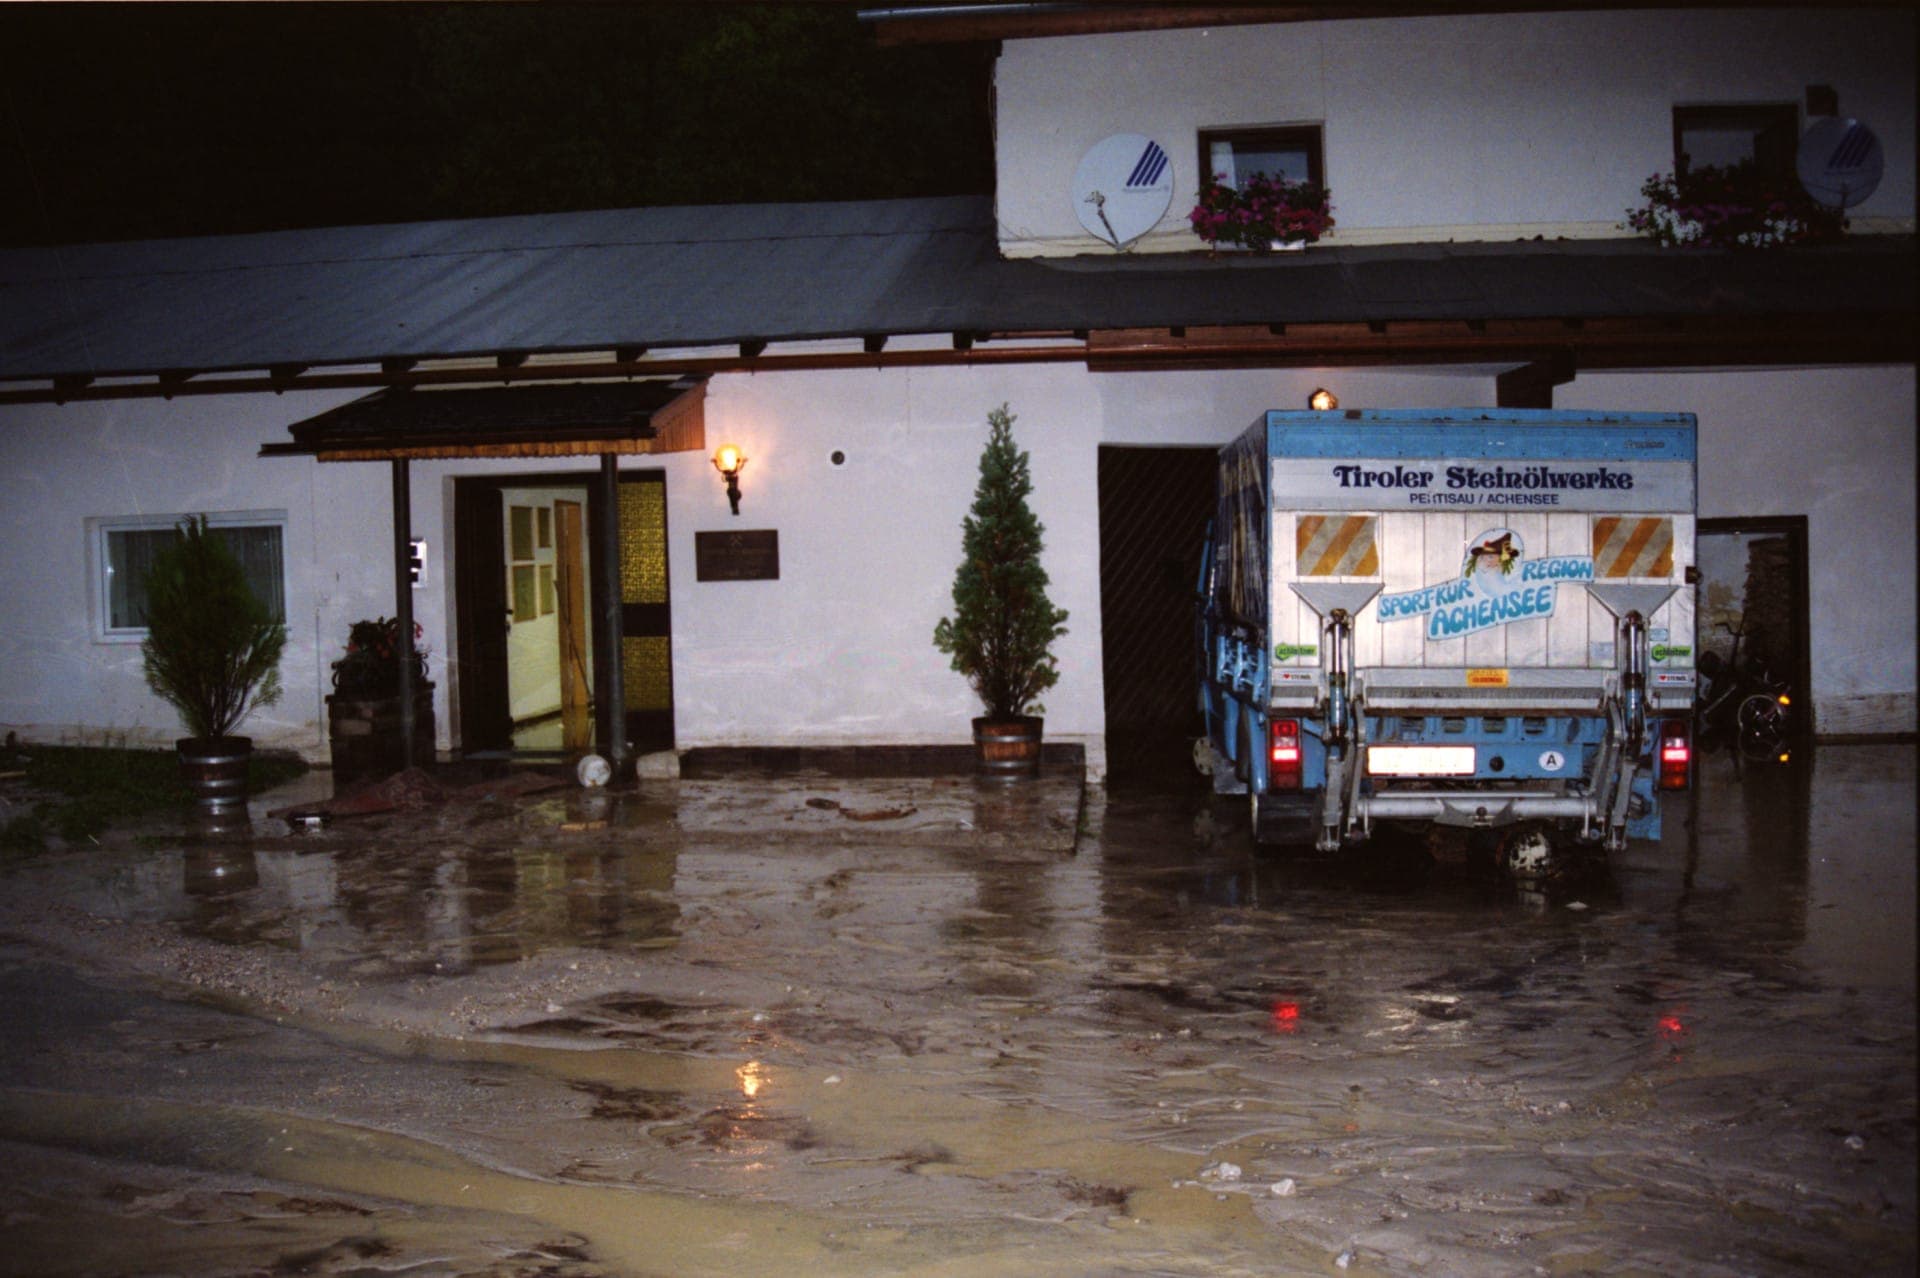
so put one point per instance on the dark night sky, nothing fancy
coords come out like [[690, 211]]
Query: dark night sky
[[150, 120]]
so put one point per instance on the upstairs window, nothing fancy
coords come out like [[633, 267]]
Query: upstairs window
[[123, 551], [1291, 152], [1766, 133]]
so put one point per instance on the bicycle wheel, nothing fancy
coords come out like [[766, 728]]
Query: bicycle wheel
[[1760, 713]]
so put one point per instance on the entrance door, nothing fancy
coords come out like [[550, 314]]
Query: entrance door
[[646, 647], [527, 595], [1154, 508]]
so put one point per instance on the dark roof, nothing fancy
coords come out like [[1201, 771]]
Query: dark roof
[[743, 274], [400, 421]]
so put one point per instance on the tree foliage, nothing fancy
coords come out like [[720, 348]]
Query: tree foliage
[[213, 648], [121, 121], [1003, 625]]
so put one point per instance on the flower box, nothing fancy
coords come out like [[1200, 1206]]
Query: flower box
[[1262, 213], [1735, 207]]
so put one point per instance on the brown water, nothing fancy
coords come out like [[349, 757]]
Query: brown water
[[506, 1051]]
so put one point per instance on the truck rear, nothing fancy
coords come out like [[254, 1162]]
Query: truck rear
[[1479, 619]]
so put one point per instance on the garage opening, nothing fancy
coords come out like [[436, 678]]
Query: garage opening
[[1154, 507]]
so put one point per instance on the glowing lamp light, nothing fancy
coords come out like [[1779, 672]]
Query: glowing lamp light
[[1286, 1017], [728, 460], [1322, 401]]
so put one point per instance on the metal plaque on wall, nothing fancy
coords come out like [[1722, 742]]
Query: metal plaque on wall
[[750, 555]]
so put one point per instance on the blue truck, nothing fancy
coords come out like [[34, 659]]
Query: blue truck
[[1477, 619]]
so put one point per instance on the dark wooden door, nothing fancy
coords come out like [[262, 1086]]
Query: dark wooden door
[[483, 617]]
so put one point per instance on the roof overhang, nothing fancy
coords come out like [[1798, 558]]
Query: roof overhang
[[570, 420], [943, 22]]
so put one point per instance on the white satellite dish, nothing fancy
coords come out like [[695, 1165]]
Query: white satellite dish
[[1122, 188], [1840, 162]]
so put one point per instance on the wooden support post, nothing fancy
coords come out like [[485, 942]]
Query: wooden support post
[[613, 696], [403, 600], [1531, 385]]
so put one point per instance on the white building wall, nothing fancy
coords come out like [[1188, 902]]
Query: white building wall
[[59, 466], [839, 649], [1834, 445], [1483, 127]]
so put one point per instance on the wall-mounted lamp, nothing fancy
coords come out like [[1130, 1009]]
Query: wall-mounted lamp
[[728, 460], [1322, 401]]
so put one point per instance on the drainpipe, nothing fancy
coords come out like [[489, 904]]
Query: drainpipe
[[403, 600], [613, 695]]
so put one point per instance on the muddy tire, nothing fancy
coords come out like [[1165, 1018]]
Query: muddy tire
[[1527, 853]]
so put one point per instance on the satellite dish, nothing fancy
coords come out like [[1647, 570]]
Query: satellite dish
[[1840, 162], [1122, 188]]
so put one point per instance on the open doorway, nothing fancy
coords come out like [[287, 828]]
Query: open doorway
[[527, 592], [1753, 587], [1154, 508], [549, 643]]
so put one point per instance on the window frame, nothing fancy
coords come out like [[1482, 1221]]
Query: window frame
[[100, 574], [1310, 138], [1758, 118]]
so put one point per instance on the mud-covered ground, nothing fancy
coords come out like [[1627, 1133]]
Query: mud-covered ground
[[808, 1025]]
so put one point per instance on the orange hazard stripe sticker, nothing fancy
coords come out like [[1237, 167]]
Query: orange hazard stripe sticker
[[1632, 546], [1336, 546]]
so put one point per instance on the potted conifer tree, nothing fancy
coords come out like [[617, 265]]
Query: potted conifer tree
[[1001, 633], [212, 651]]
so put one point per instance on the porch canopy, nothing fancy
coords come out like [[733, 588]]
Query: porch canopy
[[604, 419], [578, 420]]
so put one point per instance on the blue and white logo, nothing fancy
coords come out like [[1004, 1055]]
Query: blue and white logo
[[1497, 585], [1152, 166]]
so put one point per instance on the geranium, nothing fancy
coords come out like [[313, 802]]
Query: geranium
[[371, 667], [1736, 207], [1261, 211]]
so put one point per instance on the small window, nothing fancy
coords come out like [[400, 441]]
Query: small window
[[1766, 133], [124, 549], [1292, 152]]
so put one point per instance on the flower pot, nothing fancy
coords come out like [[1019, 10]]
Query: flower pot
[[215, 772], [363, 734], [1008, 749]]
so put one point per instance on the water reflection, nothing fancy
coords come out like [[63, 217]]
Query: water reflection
[[452, 909], [219, 870]]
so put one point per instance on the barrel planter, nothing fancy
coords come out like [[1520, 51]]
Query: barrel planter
[[363, 734], [214, 770], [1008, 749]]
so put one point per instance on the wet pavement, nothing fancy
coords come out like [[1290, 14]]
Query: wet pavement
[[935, 1026]]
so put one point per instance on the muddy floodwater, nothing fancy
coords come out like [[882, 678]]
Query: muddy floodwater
[[811, 1025]]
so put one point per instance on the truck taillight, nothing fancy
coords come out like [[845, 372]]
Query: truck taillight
[[1676, 754], [1283, 755]]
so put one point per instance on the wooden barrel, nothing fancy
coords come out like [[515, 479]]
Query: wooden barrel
[[215, 771], [1008, 749], [363, 734]]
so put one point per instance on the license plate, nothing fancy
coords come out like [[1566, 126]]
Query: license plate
[[1420, 761]]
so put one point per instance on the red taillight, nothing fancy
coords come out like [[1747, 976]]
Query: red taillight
[[1283, 755], [1676, 754]]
